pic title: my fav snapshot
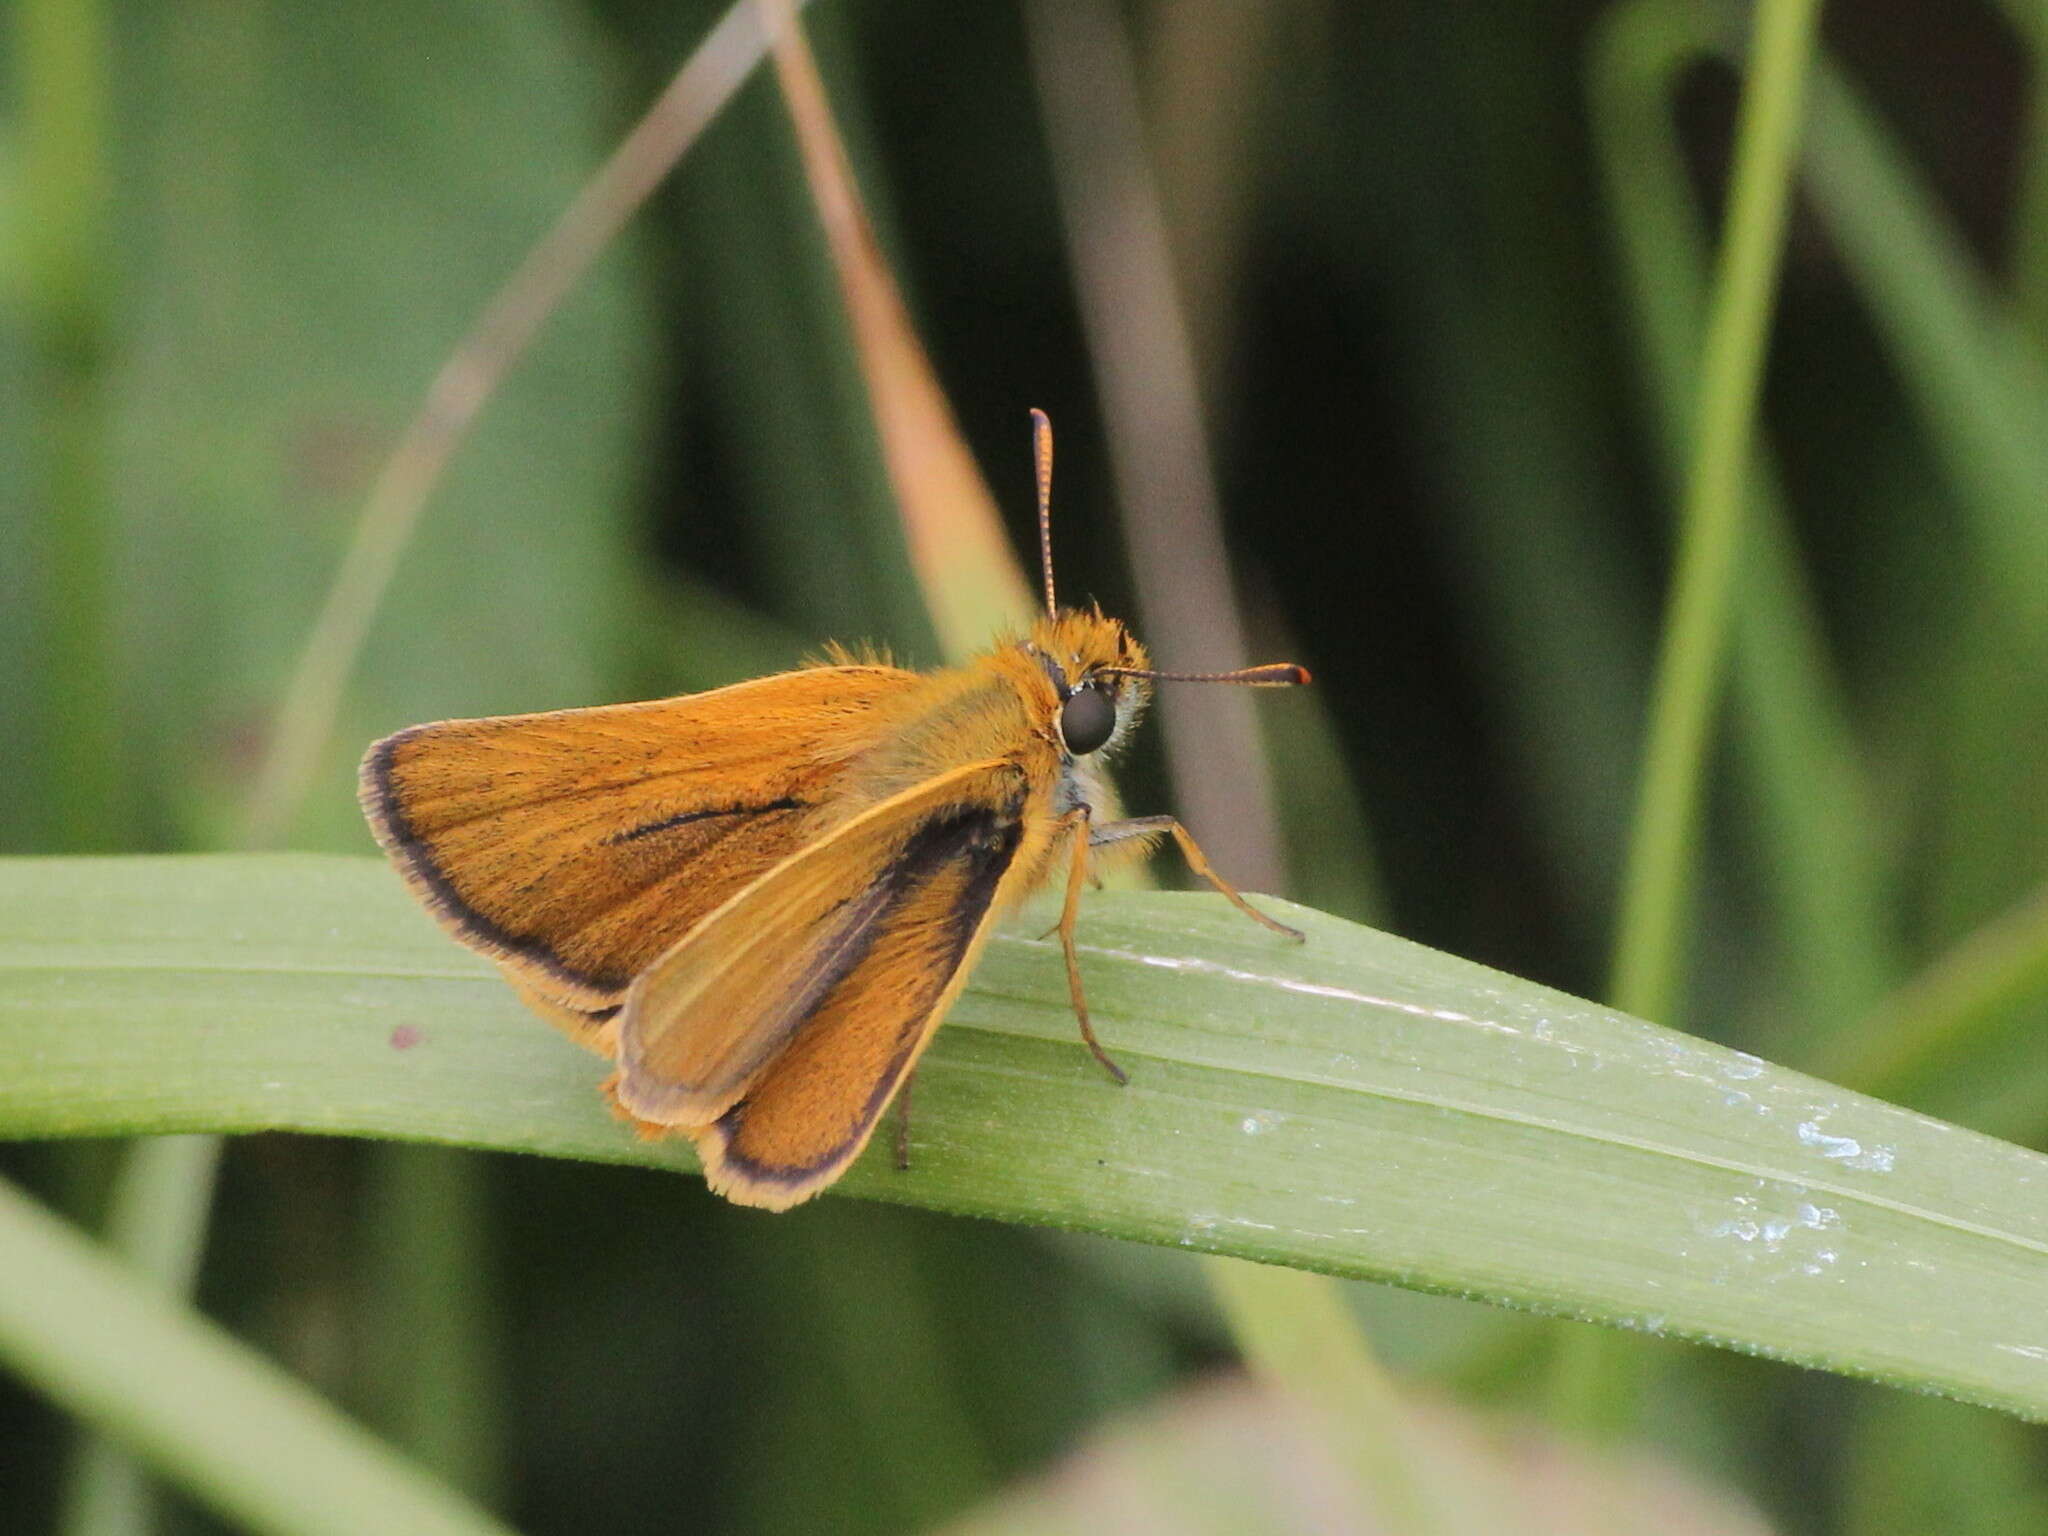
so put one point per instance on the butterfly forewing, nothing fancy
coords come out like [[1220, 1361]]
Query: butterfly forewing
[[576, 847]]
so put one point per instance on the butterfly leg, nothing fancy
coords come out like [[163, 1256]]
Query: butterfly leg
[[1141, 826], [1077, 878]]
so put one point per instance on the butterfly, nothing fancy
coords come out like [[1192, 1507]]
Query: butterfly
[[759, 902]]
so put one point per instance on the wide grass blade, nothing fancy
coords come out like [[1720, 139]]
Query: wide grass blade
[[1357, 1104]]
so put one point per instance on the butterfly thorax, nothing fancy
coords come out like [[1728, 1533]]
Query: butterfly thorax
[[1007, 704]]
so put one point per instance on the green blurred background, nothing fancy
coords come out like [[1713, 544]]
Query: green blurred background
[[1439, 267]]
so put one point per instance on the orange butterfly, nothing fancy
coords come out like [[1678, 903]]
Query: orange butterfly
[[761, 901]]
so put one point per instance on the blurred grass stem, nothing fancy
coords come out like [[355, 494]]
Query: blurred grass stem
[[962, 558], [1649, 944], [156, 1224], [1797, 751], [62, 63], [437, 1386]]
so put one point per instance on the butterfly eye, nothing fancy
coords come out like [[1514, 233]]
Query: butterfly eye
[[1087, 720]]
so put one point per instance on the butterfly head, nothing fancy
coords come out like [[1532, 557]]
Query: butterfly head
[[1096, 669], [1101, 674]]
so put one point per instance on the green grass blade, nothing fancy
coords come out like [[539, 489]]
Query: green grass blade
[[1358, 1104], [233, 1429]]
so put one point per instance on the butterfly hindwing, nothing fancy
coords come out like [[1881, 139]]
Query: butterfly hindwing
[[776, 1032]]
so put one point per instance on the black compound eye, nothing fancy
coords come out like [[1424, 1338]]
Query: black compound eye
[[1087, 720]]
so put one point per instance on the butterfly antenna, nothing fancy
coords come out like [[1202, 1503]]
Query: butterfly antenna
[[1041, 453], [1281, 675]]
